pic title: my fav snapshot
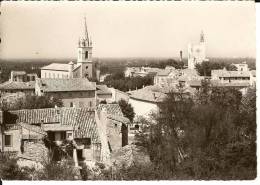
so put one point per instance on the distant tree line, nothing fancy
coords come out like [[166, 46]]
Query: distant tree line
[[204, 69], [122, 83], [29, 67]]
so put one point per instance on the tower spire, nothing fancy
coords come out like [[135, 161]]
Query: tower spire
[[86, 31], [202, 39]]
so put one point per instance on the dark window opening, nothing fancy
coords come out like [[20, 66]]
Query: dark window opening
[[51, 136], [88, 143], [79, 154], [86, 54], [63, 135], [8, 140], [136, 126]]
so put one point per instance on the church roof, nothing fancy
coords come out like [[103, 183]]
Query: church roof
[[57, 67], [62, 85]]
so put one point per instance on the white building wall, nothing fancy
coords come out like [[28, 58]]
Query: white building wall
[[54, 74], [142, 108]]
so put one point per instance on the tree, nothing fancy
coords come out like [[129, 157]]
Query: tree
[[9, 170], [33, 102], [127, 109], [214, 139], [63, 170]]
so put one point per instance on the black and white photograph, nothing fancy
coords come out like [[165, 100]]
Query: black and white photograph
[[128, 91]]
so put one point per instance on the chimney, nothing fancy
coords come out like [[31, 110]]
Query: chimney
[[181, 56], [71, 67]]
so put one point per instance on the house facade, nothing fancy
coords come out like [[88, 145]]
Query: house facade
[[145, 101], [94, 134], [77, 92]]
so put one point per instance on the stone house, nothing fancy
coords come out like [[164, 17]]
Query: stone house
[[110, 95], [75, 92], [90, 131]]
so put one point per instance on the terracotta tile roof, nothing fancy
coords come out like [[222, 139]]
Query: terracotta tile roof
[[103, 89], [82, 120], [57, 67], [35, 116], [36, 129], [10, 85], [61, 85], [117, 118], [112, 109], [147, 95]]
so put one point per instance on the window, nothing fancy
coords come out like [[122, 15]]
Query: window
[[8, 140], [71, 104], [63, 135], [69, 135], [86, 54], [87, 143], [90, 104]]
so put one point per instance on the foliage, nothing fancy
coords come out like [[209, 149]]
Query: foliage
[[120, 82], [33, 102], [9, 170], [62, 170], [218, 138], [204, 69], [127, 109]]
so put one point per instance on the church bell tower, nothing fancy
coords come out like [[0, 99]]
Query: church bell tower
[[85, 54]]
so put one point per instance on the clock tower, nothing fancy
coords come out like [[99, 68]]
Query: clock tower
[[85, 55]]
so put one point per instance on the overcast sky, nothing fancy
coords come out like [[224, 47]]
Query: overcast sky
[[126, 29]]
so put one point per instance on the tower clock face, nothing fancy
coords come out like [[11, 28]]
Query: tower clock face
[[197, 50]]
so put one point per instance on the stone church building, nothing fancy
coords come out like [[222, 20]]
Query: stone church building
[[197, 53], [83, 68]]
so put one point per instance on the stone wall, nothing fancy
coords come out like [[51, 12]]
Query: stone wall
[[34, 150]]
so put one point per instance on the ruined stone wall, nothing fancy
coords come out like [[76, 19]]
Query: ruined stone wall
[[34, 150]]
